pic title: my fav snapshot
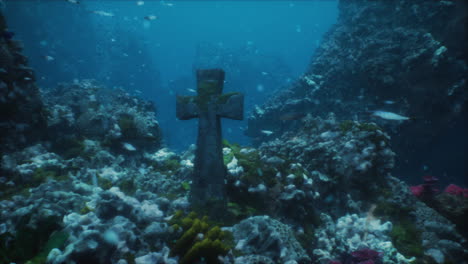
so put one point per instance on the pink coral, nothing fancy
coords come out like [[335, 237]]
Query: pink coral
[[427, 190], [456, 190], [417, 190], [366, 254]]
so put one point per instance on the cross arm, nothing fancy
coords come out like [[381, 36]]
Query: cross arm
[[231, 106], [186, 108]]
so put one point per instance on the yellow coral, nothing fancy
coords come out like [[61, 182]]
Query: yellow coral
[[199, 241]]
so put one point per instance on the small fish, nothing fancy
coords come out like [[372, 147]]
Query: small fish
[[140, 3], [389, 102], [264, 73], [151, 17], [166, 4], [103, 13], [266, 132], [76, 2], [191, 90], [298, 28], [168, 217], [48, 58], [389, 116], [128, 146]]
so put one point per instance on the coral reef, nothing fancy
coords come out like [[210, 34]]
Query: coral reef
[[451, 203], [356, 160], [351, 233], [268, 238], [427, 190], [439, 237], [85, 110], [109, 205]]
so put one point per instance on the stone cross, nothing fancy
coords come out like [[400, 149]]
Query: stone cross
[[209, 106]]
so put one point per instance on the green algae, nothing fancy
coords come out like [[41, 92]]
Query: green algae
[[348, 125], [104, 183], [407, 239], [255, 171], [56, 240], [42, 175], [127, 186], [69, 148], [85, 209], [31, 245], [127, 127], [208, 92], [185, 186], [39, 176], [167, 166], [405, 235], [224, 98], [239, 212]]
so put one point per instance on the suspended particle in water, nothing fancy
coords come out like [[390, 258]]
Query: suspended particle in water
[[260, 88]]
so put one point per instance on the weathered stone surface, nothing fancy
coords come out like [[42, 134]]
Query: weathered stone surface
[[209, 106]]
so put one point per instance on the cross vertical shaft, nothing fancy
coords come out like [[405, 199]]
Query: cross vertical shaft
[[209, 106]]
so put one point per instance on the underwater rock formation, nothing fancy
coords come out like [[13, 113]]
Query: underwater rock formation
[[85, 110], [351, 233], [22, 116], [344, 161], [340, 169], [98, 207], [383, 52], [262, 235], [111, 229], [101, 189]]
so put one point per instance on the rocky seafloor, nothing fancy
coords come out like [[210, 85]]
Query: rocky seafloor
[[85, 178], [319, 195]]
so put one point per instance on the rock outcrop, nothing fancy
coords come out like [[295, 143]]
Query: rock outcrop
[[402, 56], [22, 117]]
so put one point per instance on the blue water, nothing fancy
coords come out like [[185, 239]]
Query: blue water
[[262, 45]]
